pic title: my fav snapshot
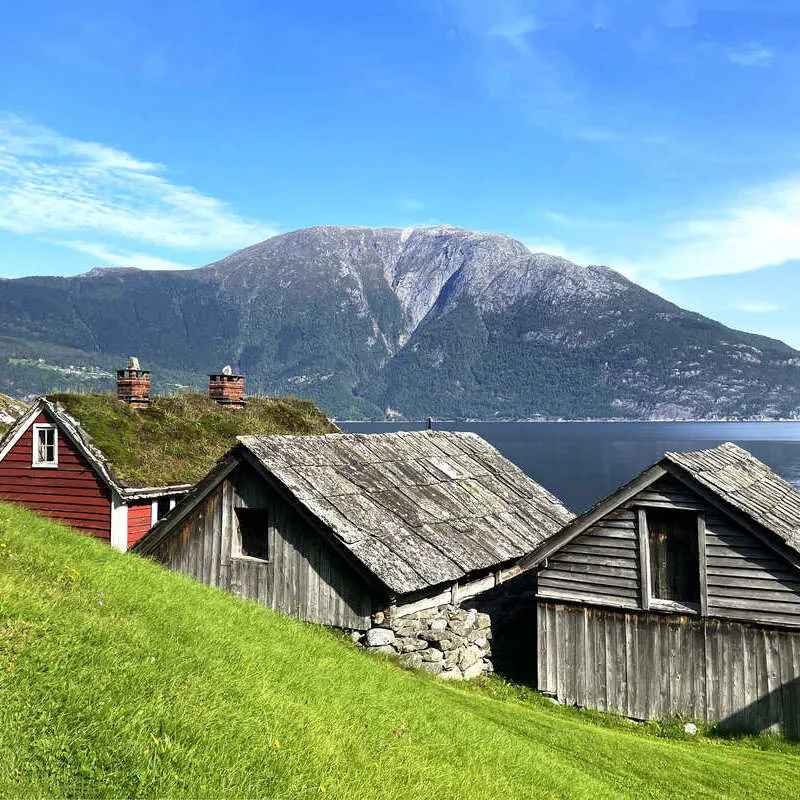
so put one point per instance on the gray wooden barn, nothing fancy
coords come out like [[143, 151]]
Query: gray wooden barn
[[376, 533], [679, 594]]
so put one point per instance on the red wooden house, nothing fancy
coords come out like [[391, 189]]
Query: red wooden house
[[50, 464]]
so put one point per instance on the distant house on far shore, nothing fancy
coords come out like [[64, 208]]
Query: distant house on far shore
[[113, 465]]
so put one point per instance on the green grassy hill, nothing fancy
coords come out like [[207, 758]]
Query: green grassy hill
[[120, 679]]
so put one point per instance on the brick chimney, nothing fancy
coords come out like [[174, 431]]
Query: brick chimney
[[133, 384], [226, 388]]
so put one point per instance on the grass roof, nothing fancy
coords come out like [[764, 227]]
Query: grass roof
[[178, 439]]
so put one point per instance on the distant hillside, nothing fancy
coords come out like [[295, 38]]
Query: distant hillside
[[121, 679], [417, 322], [10, 411]]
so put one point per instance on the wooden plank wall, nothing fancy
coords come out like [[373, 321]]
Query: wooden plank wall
[[71, 493], [140, 516], [746, 579], [304, 576], [600, 566], [649, 666]]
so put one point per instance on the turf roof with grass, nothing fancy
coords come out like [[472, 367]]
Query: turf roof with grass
[[178, 439]]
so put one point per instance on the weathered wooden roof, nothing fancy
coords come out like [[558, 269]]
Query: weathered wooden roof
[[747, 484], [418, 509]]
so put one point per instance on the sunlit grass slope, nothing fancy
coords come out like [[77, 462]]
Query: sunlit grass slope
[[118, 678]]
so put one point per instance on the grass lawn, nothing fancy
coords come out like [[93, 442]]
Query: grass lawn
[[120, 679]]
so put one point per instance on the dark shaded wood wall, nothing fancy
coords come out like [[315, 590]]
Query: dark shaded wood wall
[[647, 666], [304, 577], [70, 493]]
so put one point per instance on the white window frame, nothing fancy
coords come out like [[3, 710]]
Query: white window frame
[[35, 462]]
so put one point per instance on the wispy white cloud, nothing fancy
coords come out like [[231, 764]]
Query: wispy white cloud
[[758, 308], [514, 29], [110, 257], [95, 197], [761, 229], [410, 205], [753, 54]]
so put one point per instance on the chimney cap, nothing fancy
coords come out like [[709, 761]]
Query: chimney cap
[[226, 370], [133, 363]]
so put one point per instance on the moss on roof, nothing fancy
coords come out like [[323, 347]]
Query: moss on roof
[[178, 439]]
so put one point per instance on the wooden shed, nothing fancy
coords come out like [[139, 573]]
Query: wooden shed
[[679, 594], [375, 533]]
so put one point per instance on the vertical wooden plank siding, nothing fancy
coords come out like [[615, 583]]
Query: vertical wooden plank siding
[[303, 577], [741, 675], [70, 492]]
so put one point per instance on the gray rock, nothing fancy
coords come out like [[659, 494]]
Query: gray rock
[[469, 656], [377, 637], [446, 643], [434, 667], [459, 627], [481, 642], [386, 649], [409, 644], [378, 619], [432, 654], [482, 621], [453, 674], [433, 636], [412, 660], [474, 671], [438, 625], [407, 627], [355, 637]]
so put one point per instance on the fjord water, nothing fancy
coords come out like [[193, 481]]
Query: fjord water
[[581, 462]]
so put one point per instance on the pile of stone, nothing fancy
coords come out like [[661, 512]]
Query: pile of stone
[[449, 641]]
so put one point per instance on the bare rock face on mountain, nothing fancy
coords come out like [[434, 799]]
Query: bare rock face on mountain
[[439, 321]]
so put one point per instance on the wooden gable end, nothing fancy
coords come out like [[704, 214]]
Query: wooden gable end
[[70, 491], [739, 574], [294, 570]]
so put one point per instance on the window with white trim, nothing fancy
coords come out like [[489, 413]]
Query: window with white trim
[[45, 446]]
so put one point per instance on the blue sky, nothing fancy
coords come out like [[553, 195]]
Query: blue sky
[[657, 137]]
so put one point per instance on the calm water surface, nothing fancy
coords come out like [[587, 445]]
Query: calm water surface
[[581, 462]]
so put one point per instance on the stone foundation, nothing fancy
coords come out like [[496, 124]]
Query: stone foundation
[[449, 641]]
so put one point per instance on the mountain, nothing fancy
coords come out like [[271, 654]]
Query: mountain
[[432, 321]]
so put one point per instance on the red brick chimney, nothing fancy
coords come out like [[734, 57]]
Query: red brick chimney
[[226, 388], [133, 384]]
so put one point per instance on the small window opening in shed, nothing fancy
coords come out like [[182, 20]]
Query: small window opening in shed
[[253, 533], [674, 562], [162, 507]]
